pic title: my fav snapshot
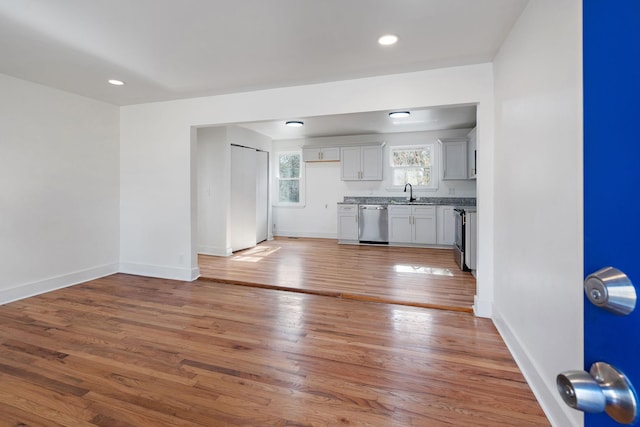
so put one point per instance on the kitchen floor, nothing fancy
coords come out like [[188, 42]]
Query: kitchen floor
[[419, 277]]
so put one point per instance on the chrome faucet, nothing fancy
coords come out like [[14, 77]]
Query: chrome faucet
[[411, 198]]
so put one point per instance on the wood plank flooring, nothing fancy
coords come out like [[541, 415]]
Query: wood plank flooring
[[409, 276], [128, 351]]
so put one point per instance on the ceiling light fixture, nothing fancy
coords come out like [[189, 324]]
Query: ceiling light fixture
[[388, 39], [116, 82], [294, 123], [399, 114]]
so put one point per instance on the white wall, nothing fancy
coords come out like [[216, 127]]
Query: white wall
[[214, 186], [214, 183], [59, 184], [157, 207], [538, 176], [324, 188]]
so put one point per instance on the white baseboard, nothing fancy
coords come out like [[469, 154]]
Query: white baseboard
[[214, 250], [289, 233], [58, 282], [160, 272], [558, 413]]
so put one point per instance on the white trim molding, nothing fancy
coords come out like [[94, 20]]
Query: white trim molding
[[160, 272], [57, 282], [547, 396]]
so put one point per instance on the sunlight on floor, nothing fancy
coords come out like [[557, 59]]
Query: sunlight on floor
[[255, 254], [422, 270]]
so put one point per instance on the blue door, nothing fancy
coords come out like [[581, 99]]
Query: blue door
[[611, 31]]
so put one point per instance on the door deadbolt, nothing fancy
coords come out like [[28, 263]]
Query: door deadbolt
[[603, 388], [611, 289]]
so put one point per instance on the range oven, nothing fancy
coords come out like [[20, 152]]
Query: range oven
[[459, 246]]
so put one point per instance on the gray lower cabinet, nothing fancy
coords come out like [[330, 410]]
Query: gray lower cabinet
[[412, 224], [446, 225], [348, 223]]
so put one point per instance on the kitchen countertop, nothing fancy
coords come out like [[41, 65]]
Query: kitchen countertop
[[467, 202]]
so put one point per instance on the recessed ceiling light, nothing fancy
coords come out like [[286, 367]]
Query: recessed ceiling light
[[399, 114], [294, 123], [116, 82], [388, 39]]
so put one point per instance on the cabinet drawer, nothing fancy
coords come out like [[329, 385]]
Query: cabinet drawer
[[348, 209], [399, 209], [424, 210]]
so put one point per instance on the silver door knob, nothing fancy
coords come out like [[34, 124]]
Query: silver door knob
[[603, 388], [611, 289]]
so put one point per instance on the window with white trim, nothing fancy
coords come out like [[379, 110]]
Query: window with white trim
[[414, 165], [289, 178]]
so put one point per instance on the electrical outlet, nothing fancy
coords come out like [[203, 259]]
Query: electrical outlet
[[452, 191]]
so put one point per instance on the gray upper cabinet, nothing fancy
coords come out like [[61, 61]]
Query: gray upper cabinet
[[454, 158], [320, 154], [473, 157], [361, 163]]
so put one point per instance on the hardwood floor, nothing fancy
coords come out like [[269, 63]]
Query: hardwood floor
[[408, 276], [133, 351]]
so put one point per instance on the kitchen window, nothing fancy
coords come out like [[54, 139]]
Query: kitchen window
[[289, 178], [414, 165]]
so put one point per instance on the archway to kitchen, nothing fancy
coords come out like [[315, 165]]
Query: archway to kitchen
[[280, 264]]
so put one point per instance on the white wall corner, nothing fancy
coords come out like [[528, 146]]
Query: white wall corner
[[195, 274], [58, 282], [559, 414], [161, 272], [482, 308]]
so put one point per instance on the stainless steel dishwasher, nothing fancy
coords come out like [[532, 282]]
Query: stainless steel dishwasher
[[373, 224]]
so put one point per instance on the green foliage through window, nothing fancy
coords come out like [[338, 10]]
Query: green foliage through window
[[289, 178], [412, 165], [289, 165]]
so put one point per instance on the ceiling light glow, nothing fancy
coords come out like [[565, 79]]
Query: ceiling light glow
[[388, 39], [294, 123], [116, 82], [399, 114]]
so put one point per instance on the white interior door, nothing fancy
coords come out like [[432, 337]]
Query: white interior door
[[262, 196]]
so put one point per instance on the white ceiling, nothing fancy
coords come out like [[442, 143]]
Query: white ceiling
[[172, 49], [372, 122]]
